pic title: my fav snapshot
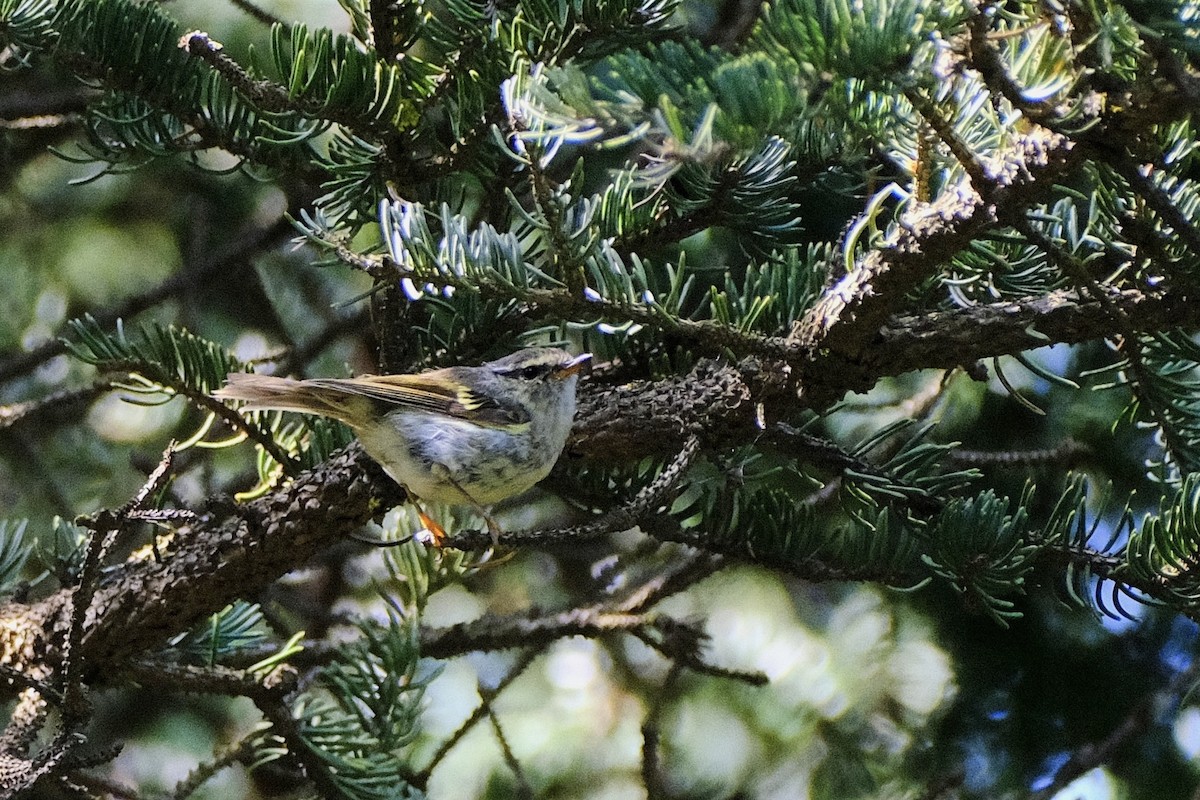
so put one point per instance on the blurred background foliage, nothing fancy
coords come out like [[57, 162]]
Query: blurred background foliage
[[872, 692]]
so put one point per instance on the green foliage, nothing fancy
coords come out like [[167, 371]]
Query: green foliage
[[235, 628], [356, 178], [1164, 550], [151, 65], [359, 13], [416, 572], [1175, 22], [26, 27], [1011, 267], [160, 101], [750, 195], [460, 257], [63, 550], [763, 516], [1165, 395], [910, 474], [125, 132], [772, 293], [1040, 63], [979, 545], [367, 713], [1168, 392], [14, 552], [587, 170], [309, 440], [378, 683], [332, 77], [745, 95], [868, 40], [549, 244], [765, 522], [161, 360]]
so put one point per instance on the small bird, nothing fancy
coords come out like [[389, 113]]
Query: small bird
[[458, 435]]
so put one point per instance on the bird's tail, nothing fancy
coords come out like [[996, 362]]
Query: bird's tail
[[266, 392]]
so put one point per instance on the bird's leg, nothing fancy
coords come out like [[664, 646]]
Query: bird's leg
[[437, 533], [493, 528]]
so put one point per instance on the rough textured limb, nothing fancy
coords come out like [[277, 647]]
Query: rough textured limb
[[226, 554]]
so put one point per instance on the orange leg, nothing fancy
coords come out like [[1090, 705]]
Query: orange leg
[[437, 533]]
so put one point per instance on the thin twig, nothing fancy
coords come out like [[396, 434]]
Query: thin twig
[[1138, 719], [271, 96], [671, 579], [105, 528], [260, 14], [680, 642], [421, 779], [1067, 453], [524, 790], [19, 678], [203, 772], [61, 402], [42, 122], [514, 631], [652, 774], [104, 785], [981, 182]]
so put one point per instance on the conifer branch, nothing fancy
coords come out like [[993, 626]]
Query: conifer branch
[[983, 56], [495, 633], [141, 603], [675, 229], [272, 97], [213, 679], [1067, 454], [944, 339], [1012, 235], [263, 93], [1122, 326], [277, 712], [841, 329], [981, 182], [1157, 199], [103, 786], [564, 303], [524, 790]]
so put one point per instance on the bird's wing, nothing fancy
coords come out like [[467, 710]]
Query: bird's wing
[[429, 392]]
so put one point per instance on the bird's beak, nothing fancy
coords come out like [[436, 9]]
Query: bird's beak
[[573, 366]]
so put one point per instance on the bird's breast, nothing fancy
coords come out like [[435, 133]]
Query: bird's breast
[[433, 455]]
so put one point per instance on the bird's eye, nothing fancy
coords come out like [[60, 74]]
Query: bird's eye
[[529, 373]]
